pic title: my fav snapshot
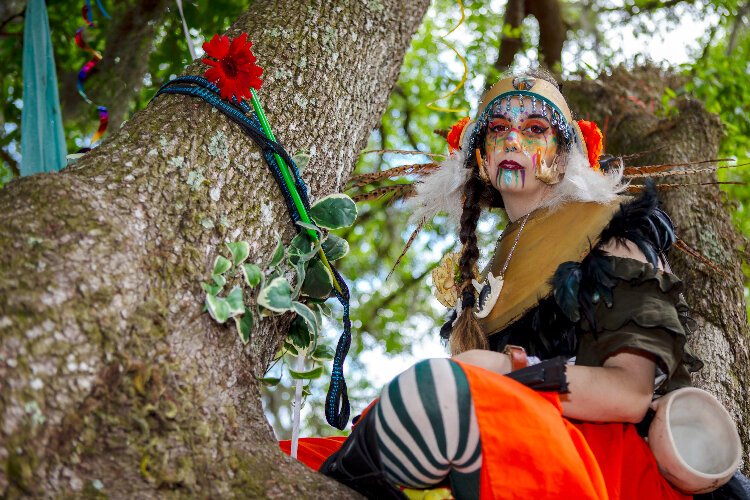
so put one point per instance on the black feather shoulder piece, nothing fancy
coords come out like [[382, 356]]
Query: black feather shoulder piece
[[643, 222]]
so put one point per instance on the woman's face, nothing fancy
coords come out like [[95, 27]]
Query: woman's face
[[517, 141]]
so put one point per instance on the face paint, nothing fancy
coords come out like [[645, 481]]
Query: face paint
[[521, 137]]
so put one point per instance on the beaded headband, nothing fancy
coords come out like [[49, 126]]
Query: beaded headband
[[539, 95]]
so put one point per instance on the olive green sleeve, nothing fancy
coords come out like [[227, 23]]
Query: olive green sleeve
[[647, 314]]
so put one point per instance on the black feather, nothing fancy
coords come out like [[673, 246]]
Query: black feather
[[565, 285], [644, 223]]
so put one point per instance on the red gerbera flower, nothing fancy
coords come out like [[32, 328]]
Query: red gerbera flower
[[234, 69], [454, 136], [594, 140]]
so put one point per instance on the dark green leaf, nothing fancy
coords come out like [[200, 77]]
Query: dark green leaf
[[218, 308], [235, 302], [276, 295], [323, 352], [308, 316], [318, 282], [252, 273], [240, 250], [221, 265], [270, 381], [334, 211], [335, 247], [211, 289], [308, 375], [278, 254], [244, 326], [299, 333]]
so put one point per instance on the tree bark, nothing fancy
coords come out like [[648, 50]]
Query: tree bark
[[627, 106], [112, 380]]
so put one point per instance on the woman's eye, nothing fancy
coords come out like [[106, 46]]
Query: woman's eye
[[498, 128], [537, 129]]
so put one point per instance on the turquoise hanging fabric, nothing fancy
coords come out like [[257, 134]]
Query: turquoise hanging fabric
[[42, 138]]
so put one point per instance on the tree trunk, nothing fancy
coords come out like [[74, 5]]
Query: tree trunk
[[628, 107], [112, 380]]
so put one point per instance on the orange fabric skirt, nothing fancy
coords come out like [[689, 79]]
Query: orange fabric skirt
[[530, 451]]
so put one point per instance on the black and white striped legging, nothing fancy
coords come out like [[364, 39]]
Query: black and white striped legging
[[427, 429]]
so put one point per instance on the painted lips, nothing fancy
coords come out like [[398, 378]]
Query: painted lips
[[510, 165]]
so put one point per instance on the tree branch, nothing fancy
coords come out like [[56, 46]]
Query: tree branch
[[739, 20], [509, 46]]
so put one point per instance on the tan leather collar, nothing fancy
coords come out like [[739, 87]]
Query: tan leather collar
[[551, 237]]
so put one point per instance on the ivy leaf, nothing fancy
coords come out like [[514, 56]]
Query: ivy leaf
[[270, 381], [300, 246], [318, 282], [217, 308], [211, 289], [252, 273], [335, 247], [276, 295], [300, 269], [219, 279], [290, 347], [299, 333], [244, 326], [308, 316], [235, 302], [308, 375], [278, 254], [334, 211], [322, 353], [240, 251], [221, 265], [307, 225], [301, 159]]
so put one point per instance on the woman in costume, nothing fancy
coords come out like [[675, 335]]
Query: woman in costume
[[558, 346]]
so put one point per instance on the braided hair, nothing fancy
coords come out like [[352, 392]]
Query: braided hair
[[462, 329]]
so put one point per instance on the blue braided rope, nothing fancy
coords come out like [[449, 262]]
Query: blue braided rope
[[337, 407]]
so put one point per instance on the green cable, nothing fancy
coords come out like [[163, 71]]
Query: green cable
[[290, 184]]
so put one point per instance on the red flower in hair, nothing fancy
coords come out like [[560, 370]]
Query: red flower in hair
[[594, 140], [234, 70], [454, 136]]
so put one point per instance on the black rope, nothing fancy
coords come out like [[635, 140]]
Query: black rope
[[337, 407]]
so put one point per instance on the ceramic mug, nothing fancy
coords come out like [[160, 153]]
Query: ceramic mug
[[694, 440]]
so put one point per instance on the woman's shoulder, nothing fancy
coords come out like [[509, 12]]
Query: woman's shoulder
[[640, 230]]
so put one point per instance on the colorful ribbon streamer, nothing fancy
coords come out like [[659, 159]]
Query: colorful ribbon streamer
[[431, 105], [88, 67]]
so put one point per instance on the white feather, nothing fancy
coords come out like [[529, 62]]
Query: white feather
[[442, 191]]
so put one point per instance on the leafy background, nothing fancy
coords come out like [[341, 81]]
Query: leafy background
[[397, 320]]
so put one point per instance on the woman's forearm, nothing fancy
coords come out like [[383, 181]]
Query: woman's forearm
[[619, 391]]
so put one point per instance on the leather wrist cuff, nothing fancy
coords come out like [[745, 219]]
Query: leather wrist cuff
[[518, 358]]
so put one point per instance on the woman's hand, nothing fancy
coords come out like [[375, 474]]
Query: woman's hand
[[489, 360]]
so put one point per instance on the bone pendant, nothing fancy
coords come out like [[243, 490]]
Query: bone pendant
[[488, 295]]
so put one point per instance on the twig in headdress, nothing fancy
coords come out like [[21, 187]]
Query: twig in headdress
[[369, 178], [665, 187], [642, 153], [669, 173], [687, 249], [406, 247], [402, 152], [660, 168], [398, 190]]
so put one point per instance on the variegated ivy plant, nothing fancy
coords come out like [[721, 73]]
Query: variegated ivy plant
[[294, 280]]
